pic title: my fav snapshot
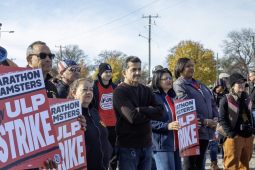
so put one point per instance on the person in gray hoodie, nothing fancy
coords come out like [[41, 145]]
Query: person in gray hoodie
[[186, 87]]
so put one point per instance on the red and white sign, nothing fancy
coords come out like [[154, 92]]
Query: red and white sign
[[188, 134], [27, 134], [248, 78], [70, 136]]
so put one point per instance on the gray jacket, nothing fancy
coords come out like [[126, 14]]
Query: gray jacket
[[205, 105]]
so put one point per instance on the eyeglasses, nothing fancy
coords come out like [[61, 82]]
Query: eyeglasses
[[44, 55], [241, 82], [73, 69], [167, 78]]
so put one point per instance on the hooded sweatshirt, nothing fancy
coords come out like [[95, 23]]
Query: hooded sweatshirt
[[217, 96], [103, 100]]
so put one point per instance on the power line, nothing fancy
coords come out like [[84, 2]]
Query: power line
[[105, 31], [108, 22], [170, 6]]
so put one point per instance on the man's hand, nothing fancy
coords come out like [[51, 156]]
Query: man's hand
[[174, 125], [150, 107], [210, 122], [137, 109], [253, 135], [50, 164], [235, 137], [82, 121]]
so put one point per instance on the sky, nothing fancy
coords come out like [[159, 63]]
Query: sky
[[115, 25]]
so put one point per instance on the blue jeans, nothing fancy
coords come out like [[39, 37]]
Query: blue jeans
[[168, 160], [134, 158], [213, 152]]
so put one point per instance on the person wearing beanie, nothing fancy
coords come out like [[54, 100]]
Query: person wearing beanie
[[69, 72], [219, 89], [103, 88], [235, 110], [4, 61]]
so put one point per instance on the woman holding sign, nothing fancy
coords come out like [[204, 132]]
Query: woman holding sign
[[98, 148], [186, 87], [164, 132]]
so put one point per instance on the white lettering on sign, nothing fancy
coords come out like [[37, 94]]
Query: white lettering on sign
[[25, 132], [187, 134], [106, 101], [69, 146], [185, 107]]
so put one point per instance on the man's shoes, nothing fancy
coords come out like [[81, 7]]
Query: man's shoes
[[214, 166]]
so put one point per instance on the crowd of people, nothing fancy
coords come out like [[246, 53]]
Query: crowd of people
[[131, 126]]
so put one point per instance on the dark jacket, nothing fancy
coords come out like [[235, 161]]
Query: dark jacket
[[50, 87], [63, 90], [95, 89], [205, 104], [163, 139], [253, 97], [231, 109], [217, 97], [98, 148]]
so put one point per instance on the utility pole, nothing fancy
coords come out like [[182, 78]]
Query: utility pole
[[60, 51], [149, 40], [253, 48], [217, 67]]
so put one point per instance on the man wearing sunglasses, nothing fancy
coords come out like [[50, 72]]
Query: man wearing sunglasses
[[40, 56], [69, 71]]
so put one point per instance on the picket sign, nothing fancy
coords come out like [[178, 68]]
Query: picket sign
[[27, 134], [188, 134], [70, 136]]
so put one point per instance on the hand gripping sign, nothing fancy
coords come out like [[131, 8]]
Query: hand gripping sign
[[70, 136], [188, 134], [27, 134]]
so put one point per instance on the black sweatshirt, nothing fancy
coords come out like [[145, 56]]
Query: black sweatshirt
[[133, 128], [98, 148]]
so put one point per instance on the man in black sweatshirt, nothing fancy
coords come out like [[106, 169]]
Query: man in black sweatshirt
[[134, 105]]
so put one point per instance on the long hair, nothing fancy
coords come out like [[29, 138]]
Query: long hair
[[157, 78], [75, 85]]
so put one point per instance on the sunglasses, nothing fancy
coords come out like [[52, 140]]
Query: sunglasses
[[241, 82], [167, 78], [44, 55], [73, 69]]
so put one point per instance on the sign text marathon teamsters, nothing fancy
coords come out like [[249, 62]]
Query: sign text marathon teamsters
[[188, 134], [27, 133], [70, 136]]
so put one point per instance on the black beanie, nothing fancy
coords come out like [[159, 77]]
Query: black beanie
[[235, 77], [103, 67]]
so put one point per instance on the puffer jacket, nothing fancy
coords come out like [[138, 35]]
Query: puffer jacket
[[205, 104]]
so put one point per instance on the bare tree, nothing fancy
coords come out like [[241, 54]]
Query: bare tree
[[72, 52], [236, 48], [106, 55]]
